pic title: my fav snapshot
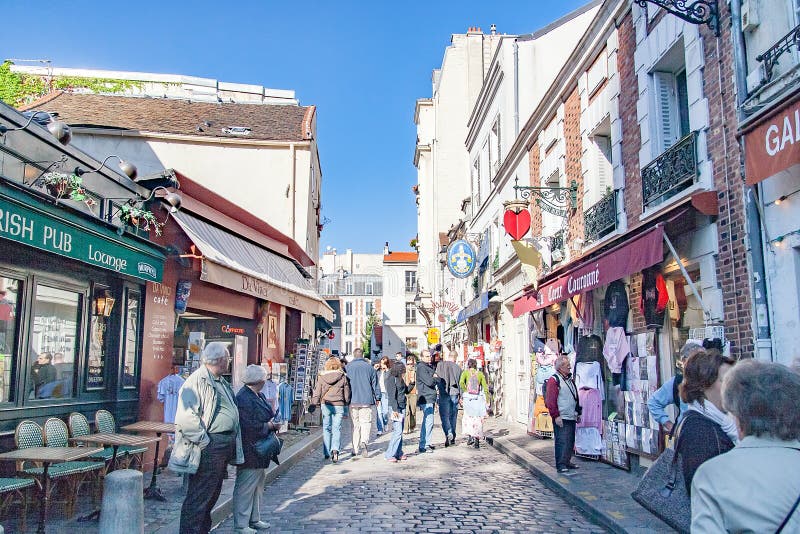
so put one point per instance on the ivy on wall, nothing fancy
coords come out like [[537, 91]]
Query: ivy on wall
[[17, 89]]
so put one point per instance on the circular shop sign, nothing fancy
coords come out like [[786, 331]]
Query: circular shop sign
[[461, 258]]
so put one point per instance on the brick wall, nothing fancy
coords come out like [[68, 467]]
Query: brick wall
[[572, 163], [536, 212], [732, 270], [631, 136]]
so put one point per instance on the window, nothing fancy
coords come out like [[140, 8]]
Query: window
[[486, 179], [369, 307], [476, 185], [10, 290], [330, 288], [130, 370], [348, 347], [54, 343], [600, 153], [411, 343], [368, 288], [494, 136], [411, 281], [348, 328], [348, 308], [411, 313], [349, 288], [672, 108], [102, 306]]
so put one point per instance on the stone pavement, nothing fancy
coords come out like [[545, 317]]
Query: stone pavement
[[456, 489], [159, 517], [603, 492]]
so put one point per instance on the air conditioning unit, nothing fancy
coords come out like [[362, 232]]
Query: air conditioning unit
[[749, 15]]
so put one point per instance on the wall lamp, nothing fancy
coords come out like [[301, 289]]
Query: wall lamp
[[104, 304], [173, 199], [128, 168], [59, 129]]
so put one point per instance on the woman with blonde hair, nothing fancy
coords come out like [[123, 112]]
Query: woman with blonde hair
[[332, 394]]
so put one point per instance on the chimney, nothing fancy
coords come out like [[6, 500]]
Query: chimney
[[386, 249], [494, 29]]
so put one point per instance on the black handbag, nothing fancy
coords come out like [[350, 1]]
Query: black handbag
[[662, 490], [269, 447]]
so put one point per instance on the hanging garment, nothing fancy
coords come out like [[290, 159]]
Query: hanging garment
[[616, 304], [654, 299], [588, 441], [270, 391], [672, 306], [616, 348], [590, 349], [586, 310], [566, 324], [588, 375], [537, 326], [592, 405], [167, 393], [285, 399], [552, 347], [551, 323]]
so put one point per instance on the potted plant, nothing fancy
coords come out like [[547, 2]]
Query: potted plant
[[132, 215]]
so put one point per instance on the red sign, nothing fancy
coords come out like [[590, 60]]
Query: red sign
[[775, 145], [517, 224], [331, 334], [634, 255], [228, 329]]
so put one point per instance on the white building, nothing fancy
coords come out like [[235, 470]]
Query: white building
[[404, 327]]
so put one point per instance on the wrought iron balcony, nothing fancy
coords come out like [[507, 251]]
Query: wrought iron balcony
[[600, 219], [784, 44], [671, 172]]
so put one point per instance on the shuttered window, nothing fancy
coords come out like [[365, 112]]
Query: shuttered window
[[672, 108]]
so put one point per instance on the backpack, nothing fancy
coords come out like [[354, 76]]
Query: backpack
[[544, 385], [473, 384]]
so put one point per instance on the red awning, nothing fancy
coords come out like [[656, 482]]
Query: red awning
[[640, 252]]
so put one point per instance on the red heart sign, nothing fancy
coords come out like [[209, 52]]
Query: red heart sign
[[517, 224]]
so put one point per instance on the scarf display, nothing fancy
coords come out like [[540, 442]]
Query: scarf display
[[724, 420]]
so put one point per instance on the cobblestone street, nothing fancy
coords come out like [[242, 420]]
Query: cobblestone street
[[443, 491]]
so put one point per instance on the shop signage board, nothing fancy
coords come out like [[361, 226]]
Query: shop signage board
[[637, 253], [774, 145], [34, 226], [473, 308], [461, 258], [300, 371], [433, 336]]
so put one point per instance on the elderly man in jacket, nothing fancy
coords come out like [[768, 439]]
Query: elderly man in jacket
[[364, 392], [561, 399], [207, 437]]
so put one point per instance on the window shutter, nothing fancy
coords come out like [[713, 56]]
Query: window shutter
[[667, 121], [604, 172]]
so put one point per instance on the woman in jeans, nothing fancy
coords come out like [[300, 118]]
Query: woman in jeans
[[383, 407], [475, 398], [332, 394], [396, 393], [411, 397]]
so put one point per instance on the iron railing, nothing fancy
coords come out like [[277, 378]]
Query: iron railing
[[784, 44], [600, 219], [671, 172]]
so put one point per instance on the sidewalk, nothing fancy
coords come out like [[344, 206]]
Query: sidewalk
[[601, 491], [164, 517]]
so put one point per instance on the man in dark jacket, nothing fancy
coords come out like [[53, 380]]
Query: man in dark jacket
[[364, 391], [426, 399], [449, 374]]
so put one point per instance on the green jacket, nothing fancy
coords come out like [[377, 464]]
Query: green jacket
[[481, 380]]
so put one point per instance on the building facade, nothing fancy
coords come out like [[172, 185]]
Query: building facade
[[404, 323]]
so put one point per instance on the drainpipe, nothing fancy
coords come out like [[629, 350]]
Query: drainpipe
[[294, 190], [516, 88], [755, 245]]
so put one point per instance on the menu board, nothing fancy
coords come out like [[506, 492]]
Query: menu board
[[160, 327]]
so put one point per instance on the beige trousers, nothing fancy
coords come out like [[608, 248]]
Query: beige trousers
[[362, 425], [247, 496]]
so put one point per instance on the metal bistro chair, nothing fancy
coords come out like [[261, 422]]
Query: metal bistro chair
[[13, 487], [79, 426], [104, 422], [55, 435]]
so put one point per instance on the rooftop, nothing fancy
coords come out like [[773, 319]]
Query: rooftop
[[400, 257]]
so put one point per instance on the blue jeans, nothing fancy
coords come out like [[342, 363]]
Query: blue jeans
[[383, 411], [331, 428], [448, 412], [395, 447], [426, 428]]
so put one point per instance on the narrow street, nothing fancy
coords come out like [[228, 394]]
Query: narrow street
[[456, 489]]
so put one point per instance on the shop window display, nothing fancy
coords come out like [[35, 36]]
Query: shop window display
[[103, 304], [54, 343], [131, 354], [10, 289]]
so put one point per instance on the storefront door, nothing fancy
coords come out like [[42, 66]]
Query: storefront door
[[523, 368]]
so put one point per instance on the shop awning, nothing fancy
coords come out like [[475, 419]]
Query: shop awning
[[230, 261], [772, 146], [473, 308], [635, 254]]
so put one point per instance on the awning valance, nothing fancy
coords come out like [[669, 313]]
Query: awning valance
[[230, 261], [473, 308], [639, 252]]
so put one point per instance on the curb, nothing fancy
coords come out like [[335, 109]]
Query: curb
[[296, 452], [547, 475]]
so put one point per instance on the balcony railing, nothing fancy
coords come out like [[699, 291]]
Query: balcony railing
[[671, 172], [784, 44], [600, 219]]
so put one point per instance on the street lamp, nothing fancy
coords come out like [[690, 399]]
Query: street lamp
[[60, 130]]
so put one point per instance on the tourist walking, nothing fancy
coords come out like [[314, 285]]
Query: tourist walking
[[475, 394], [449, 373], [396, 393], [706, 430], [752, 488], [426, 400], [668, 394], [411, 397], [561, 400], [207, 437], [383, 405], [364, 392], [331, 394], [258, 427]]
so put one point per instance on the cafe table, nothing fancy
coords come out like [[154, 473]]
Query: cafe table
[[157, 427], [47, 456], [114, 440]]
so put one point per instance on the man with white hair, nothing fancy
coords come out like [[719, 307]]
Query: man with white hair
[[449, 374], [561, 399], [207, 437]]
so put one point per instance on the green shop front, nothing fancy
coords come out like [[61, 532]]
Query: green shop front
[[71, 317]]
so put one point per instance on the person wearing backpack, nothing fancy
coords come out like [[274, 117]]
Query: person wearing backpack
[[475, 398], [561, 399], [668, 393]]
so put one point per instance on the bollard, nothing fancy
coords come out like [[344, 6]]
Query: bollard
[[123, 507]]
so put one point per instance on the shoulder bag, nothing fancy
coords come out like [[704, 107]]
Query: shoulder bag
[[791, 513], [662, 490]]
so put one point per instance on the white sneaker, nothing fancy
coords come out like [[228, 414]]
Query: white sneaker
[[245, 530]]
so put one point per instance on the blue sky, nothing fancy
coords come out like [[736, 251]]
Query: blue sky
[[363, 64]]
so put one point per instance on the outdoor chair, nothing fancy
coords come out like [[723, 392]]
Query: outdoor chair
[[129, 455], [15, 487], [79, 426], [56, 435]]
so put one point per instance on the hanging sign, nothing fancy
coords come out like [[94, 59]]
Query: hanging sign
[[433, 336], [461, 258], [517, 223]]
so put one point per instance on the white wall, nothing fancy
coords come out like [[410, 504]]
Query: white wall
[[394, 302]]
